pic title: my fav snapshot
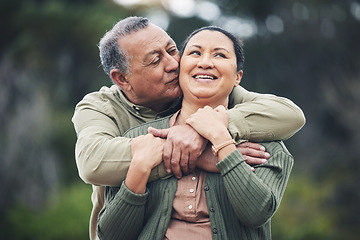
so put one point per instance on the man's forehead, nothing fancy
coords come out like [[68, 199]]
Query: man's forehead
[[156, 37], [149, 40], [155, 46]]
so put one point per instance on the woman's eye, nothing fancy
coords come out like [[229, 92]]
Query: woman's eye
[[194, 53], [220, 55]]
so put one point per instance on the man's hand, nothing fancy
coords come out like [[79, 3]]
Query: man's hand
[[182, 148], [253, 153], [207, 161]]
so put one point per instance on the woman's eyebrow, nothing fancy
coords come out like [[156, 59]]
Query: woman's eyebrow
[[221, 48], [195, 45], [216, 49]]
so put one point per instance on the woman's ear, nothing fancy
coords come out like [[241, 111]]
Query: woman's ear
[[120, 79], [238, 78]]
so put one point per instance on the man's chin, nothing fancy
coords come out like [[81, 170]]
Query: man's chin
[[177, 92], [172, 94], [175, 81]]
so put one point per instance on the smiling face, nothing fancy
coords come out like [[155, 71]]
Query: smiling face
[[208, 68]]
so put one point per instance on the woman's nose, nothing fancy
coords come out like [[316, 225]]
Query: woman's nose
[[205, 61]]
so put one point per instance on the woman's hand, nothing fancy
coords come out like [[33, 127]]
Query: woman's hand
[[211, 123], [147, 152]]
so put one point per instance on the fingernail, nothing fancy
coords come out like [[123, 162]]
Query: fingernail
[[168, 170], [263, 161], [262, 148], [267, 155]]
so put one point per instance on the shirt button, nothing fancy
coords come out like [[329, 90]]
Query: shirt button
[[190, 206], [191, 190], [215, 231], [136, 108], [206, 188], [193, 178], [212, 209]]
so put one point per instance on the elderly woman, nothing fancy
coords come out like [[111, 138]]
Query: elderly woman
[[236, 203]]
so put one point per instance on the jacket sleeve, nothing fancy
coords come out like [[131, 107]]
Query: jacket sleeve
[[123, 216], [262, 117], [102, 155], [255, 196]]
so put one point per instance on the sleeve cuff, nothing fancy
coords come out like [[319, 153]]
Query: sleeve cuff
[[230, 162], [158, 173], [132, 198]]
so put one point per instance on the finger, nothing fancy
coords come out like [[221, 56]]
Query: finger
[[220, 108], [253, 152], [175, 163], [252, 145], [168, 149], [184, 163], [254, 161], [192, 163], [162, 133]]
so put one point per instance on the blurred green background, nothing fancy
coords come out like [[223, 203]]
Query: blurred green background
[[308, 51]]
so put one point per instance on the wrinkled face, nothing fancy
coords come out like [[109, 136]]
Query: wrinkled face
[[208, 68], [153, 67]]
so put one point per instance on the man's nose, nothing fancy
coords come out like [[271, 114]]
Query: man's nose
[[172, 63]]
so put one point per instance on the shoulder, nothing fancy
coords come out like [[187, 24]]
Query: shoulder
[[103, 95], [240, 95], [103, 105], [103, 100], [236, 96]]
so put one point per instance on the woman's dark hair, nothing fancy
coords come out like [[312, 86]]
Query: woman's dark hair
[[238, 45]]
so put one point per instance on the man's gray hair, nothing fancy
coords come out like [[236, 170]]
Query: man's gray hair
[[111, 54]]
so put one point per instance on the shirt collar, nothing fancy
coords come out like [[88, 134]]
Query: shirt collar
[[145, 111]]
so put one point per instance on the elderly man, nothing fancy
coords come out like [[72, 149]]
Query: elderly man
[[142, 61]]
